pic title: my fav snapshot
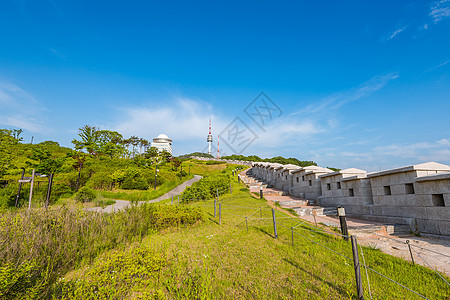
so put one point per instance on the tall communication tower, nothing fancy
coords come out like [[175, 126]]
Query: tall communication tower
[[209, 139], [218, 152]]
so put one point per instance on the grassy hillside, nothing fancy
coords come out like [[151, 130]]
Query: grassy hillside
[[226, 261]]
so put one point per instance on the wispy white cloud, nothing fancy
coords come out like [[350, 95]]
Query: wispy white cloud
[[337, 100], [386, 38], [439, 65], [422, 151], [182, 119], [20, 109], [440, 10], [56, 53], [396, 32]]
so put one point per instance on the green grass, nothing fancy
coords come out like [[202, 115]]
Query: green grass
[[37, 247], [209, 261], [135, 195]]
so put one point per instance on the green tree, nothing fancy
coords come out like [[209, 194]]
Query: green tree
[[110, 143], [165, 156], [45, 163], [8, 140], [175, 162], [89, 137], [151, 152]]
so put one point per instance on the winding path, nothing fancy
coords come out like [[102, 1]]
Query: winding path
[[121, 204]]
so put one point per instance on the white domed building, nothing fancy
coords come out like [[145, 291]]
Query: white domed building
[[162, 142]]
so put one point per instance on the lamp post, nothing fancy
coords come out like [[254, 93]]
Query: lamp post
[[156, 174]]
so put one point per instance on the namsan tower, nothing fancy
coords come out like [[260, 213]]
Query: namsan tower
[[209, 139]]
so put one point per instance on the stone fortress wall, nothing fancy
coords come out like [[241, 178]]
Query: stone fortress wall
[[417, 195]]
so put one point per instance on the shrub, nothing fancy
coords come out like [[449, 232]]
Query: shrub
[[8, 195], [37, 247], [206, 188], [182, 174], [138, 183], [85, 194]]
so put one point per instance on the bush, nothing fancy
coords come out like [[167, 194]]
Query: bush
[[85, 194], [138, 183], [38, 247], [206, 188], [8, 195], [181, 174]]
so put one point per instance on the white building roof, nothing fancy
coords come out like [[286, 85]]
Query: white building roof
[[346, 172], [429, 166]]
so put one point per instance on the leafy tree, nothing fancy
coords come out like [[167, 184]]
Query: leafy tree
[[198, 154], [143, 143], [175, 162], [88, 140], [46, 162], [8, 139], [49, 143], [110, 143], [16, 133], [165, 156], [151, 152]]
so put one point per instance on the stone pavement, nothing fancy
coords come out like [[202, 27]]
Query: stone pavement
[[122, 204]]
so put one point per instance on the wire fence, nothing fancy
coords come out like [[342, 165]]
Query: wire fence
[[257, 217]]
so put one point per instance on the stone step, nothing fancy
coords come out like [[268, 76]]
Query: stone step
[[291, 203], [390, 229], [320, 211]]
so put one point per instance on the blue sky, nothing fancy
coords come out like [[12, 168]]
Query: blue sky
[[361, 84]]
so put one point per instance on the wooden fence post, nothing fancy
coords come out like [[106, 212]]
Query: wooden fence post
[[359, 287], [344, 229], [31, 190], [410, 252], [292, 233], [274, 224], [220, 213]]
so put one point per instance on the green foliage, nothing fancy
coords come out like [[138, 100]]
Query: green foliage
[[214, 162], [198, 154], [8, 139], [85, 194], [182, 174], [137, 183], [113, 273], [38, 247], [334, 169], [8, 195], [206, 188], [45, 163], [151, 152]]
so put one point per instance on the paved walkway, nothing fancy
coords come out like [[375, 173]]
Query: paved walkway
[[122, 204]]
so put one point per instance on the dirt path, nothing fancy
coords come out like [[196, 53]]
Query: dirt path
[[122, 204], [428, 251]]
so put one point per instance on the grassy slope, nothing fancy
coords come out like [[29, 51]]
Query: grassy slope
[[196, 167], [212, 261]]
